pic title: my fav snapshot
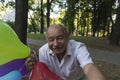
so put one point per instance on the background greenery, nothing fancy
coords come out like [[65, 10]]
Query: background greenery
[[94, 22], [93, 18]]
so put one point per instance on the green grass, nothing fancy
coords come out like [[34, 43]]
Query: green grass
[[36, 36], [78, 38]]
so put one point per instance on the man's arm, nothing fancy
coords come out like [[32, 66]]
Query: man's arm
[[92, 72]]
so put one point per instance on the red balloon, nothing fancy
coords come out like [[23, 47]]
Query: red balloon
[[41, 72]]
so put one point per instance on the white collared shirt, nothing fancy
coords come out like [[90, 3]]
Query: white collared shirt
[[77, 54]]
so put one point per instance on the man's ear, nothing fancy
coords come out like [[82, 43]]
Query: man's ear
[[46, 36]]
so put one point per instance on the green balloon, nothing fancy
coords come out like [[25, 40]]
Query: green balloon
[[10, 46]]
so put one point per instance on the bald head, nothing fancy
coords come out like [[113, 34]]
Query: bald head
[[57, 27]]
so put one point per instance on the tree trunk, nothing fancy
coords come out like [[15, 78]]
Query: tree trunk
[[48, 12], [21, 19], [42, 18], [115, 34], [94, 19]]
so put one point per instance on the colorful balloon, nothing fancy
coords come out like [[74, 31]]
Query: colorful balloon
[[13, 75], [10, 46], [12, 54]]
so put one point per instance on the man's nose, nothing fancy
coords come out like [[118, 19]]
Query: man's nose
[[55, 42]]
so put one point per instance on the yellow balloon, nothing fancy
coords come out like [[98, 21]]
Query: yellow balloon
[[10, 46]]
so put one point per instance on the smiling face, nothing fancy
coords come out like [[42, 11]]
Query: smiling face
[[57, 38]]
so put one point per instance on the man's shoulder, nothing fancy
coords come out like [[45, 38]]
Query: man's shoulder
[[44, 47], [44, 50], [75, 43]]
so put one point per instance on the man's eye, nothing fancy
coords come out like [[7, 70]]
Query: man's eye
[[60, 38], [50, 39]]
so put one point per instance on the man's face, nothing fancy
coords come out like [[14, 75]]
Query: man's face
[[57, 40]]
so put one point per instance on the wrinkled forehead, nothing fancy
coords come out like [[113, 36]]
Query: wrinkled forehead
[[58, 28]]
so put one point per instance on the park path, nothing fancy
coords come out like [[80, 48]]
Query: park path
[[103, 55]]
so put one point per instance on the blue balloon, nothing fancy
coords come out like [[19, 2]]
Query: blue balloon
[[18, 64], [13, 75]]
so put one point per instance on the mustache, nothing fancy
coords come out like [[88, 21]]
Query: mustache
[[57, 47]]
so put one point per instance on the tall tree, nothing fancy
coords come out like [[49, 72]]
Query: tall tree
[[115, 34], [49, 2], [21, 19], [42, 18], [69, 17]]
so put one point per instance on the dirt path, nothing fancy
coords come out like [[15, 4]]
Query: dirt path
[[105, 55]]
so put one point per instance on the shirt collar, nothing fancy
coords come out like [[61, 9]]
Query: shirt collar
[[51, 52], [69, 49]]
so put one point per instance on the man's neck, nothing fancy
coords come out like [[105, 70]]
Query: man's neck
[[60, 56]]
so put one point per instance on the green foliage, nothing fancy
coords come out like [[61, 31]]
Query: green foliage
[[84, 16], [77, 15], [11, 3], [10, 23]]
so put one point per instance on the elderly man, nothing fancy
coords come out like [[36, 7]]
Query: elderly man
[[62, 55]]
